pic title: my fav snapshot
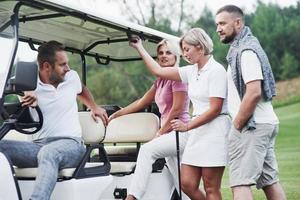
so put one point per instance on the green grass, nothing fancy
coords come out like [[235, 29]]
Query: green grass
[[286, 101], [287, 152]]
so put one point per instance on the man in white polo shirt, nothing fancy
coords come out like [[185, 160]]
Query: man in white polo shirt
[[58, 144], [251, 87]]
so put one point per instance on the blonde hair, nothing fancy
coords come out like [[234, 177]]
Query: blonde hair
[[197, 36], [173, 47]]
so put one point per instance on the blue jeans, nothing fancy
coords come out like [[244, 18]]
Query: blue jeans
[[49, 155]]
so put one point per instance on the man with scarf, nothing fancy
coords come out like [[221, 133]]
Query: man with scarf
[[251, 87]]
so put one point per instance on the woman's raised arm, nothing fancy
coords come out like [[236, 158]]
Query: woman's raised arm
[[170, 73]]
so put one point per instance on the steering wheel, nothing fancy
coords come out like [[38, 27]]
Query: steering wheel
[[21, 119]]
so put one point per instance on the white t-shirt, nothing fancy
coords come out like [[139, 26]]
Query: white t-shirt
[[251, 70], [209, 81], [59, 107]]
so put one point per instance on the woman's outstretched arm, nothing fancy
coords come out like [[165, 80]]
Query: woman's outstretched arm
[[170, 73]]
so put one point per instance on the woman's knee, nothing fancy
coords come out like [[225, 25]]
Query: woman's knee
[[187, 184], [211, 190], [211, 186], [147, 150]]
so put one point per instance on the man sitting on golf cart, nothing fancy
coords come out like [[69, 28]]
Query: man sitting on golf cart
[[58, 144]]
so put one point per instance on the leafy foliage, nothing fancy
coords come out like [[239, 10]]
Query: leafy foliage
[[207, 22], [276, 28]]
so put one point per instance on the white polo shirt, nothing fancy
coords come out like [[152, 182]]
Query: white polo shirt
[[251, 70], [210, 139], [209, 81], [59, 107]]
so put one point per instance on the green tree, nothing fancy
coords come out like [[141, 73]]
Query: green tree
[[289, 67], [118, 84], [206, 21], [276, 28], [267, 26], [278, 31], [169, 16], [121, 83]]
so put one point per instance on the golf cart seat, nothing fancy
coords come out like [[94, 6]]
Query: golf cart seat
[[124, 136], [132, 128], [93, 134]]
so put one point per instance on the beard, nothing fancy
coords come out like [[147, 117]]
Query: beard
[[228, 39], [56, 79]]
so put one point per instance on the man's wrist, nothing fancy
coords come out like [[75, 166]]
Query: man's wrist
[[93, 107], [237, 125], [159, 132]]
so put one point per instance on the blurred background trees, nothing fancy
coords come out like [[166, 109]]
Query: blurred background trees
[[278, 30]]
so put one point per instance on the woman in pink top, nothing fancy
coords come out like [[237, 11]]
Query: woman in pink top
[[172, 101]]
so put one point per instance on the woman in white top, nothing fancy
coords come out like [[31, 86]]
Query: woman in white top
[[205, 155]]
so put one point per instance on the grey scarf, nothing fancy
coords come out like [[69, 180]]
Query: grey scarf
[[246, 41]]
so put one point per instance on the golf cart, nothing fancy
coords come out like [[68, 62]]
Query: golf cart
[[106, 169]]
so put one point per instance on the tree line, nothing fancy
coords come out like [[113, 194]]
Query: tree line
[[278, 30]]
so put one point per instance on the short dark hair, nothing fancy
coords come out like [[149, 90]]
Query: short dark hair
[[231, 9], [47, 51]]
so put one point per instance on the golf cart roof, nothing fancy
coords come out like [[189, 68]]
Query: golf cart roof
[[81, 29]]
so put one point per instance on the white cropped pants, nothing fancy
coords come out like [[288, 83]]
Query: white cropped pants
[[160, 147]]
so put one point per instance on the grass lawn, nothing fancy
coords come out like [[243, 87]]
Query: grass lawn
[[287, 152]]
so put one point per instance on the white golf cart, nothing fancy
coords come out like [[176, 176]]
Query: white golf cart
[[107, 168]]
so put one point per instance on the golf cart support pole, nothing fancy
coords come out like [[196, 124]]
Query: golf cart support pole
[[178, 164]]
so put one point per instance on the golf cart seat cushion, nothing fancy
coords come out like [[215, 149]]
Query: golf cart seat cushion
[[134, 127], [122, 167], [121, 150], [92, 132]]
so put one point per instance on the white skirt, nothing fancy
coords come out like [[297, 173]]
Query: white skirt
[[207, 145]]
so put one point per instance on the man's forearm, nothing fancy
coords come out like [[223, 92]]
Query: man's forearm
[[87, 98], [246, 110]]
